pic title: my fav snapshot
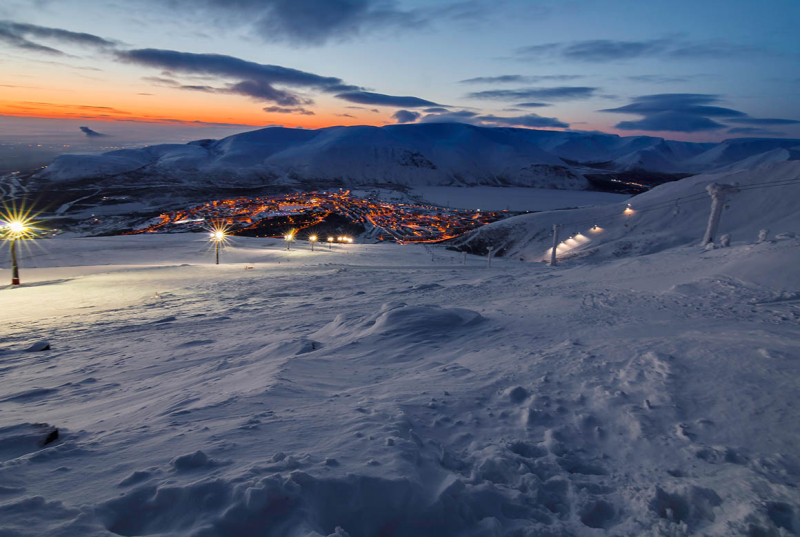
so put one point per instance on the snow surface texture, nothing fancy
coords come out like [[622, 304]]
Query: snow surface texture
[[412, 155], [390, 390]]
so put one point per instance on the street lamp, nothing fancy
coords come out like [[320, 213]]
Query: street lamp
[[313, 239], [289, 238], [330, 243], [218, 236], [18, 228]]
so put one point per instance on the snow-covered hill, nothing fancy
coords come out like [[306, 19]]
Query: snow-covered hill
[[412, 155], [669, 215], [392, 390]]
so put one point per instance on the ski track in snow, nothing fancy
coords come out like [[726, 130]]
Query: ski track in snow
[[367, 390]]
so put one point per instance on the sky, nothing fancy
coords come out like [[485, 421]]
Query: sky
[[687, 70]]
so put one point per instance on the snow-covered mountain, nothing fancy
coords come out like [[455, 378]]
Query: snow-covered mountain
[[412, 155]]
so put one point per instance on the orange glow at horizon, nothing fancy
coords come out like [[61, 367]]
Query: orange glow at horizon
[[168, 115]]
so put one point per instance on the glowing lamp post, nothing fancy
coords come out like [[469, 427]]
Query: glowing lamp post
[[218, 238], [330, 243], [289, 238], [312, 239], [16, 230]]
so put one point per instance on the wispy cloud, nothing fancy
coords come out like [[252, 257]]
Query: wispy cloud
[[558, 93], [284, 110], [519, 79], [698, 104], [532, 105], [19, 35], [490, 120], [764, 121], [251, 79], [754, 130], [380, 99], [529, 120], [675, 112], [609, 50], [307, 23], [310, 22]]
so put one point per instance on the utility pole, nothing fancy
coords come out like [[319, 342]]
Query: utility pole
[[556, 228], [717, 192]]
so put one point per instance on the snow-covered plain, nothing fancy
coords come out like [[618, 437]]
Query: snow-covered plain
[[489, 198], [390, 390]]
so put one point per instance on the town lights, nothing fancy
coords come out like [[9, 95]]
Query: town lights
[[17, 227], [312, 239], [218, 236], [330, 243]]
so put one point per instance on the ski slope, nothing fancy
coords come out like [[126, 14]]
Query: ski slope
[[392, 390]]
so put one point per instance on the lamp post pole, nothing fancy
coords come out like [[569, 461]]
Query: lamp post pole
[[216, 249], [553, 258], [14, 265]]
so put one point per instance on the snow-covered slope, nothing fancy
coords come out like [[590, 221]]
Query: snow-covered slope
[[391, 390], [669, 215], [412, 155]]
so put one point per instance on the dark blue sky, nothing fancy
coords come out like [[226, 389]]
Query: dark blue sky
[[693, 70]]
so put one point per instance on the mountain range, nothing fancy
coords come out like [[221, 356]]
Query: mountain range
[[453, 154]]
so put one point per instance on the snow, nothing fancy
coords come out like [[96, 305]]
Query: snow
[[412, 155], [514, 198], [647, 389], [670, 215]]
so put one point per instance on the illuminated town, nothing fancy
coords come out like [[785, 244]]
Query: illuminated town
[[275, 216]]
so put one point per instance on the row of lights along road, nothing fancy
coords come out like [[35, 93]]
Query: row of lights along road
[[219, 236]]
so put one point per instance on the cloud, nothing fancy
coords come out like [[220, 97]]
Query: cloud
[[671, 121], [436, 110], [284, 110], [532, 105], [517, 79], [558, 93], [529, 120], [346, 115], [459, 116], [676, 112], [406, 116], [688, 103], [254, 80], [305, 23], [660, 79], [609, 50], [311, 22], [764, 121], [379, 99], [91, 133], [472, 118], [754, 130], [17, 34]]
